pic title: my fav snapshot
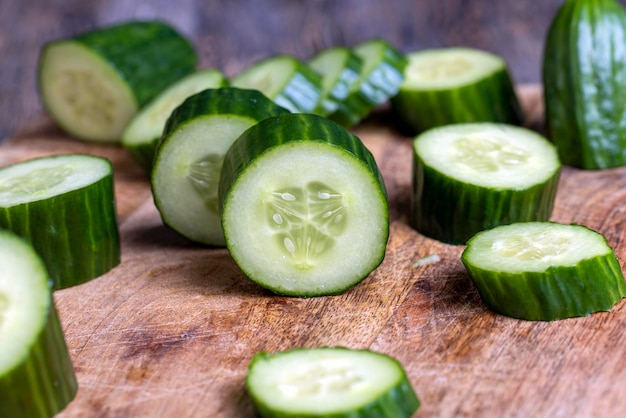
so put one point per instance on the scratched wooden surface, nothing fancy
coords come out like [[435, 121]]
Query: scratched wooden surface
[[170, 331]]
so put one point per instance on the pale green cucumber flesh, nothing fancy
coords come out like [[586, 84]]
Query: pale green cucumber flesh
[[470, 177], [65, 206], [330, 381], [304, 209], [544, 270], [284, 79], [141, 136], [36, 374]]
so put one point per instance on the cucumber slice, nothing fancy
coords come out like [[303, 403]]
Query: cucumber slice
[[94, 83], [584, 77], [456, 85], [330, 382], [340, 69], [544, 270], [187, 166], [142, 134], [470, 177], [36, 374], [382, 72], [64, 205], [304, 207], [284, 79]]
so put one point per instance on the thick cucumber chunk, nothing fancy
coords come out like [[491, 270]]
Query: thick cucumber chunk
[[65, 206], [455, 85], [304, 207], [470, 177], [142, 134], [94, 83], [330, 382], [544, 270], [36, 373], [286, 80], [584, 76], [188, 161]]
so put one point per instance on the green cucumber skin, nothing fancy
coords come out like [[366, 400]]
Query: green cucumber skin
[[45, 382], [584, 75], [492, 99], [76, 233], [558, 293], [452, 212]]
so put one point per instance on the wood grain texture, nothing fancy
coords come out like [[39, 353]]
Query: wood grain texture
[[171, 330]]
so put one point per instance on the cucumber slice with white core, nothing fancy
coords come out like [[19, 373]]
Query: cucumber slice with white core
[[471, 177], [456, 85], [142, 134], [284, 79], [330, 382], [36, 374], [544, 270], [304, 207], [188, 161], [65, 206], [94, 83], [340, 69]]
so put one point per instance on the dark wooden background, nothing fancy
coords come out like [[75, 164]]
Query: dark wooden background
[[231, 34]]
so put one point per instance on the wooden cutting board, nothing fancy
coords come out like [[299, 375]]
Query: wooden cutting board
[[171, 330]]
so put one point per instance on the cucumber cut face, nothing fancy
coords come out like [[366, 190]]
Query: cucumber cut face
[[330, 381], [470, 177], [544, 270], [304, 209]]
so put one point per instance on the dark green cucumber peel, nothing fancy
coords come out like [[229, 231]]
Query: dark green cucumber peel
[[76, 232], [584, 76], [304, 241], [592, 285]]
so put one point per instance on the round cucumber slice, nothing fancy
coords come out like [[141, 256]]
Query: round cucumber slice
[[142, 134], [94, 83], [544, 270], [36, 374], [330, 382], [455, 85], [304, 207], [188, 161], [65, 206], [286, 80], [470, 177]]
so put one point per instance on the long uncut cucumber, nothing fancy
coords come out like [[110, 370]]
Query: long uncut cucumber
[[286, 80], [92, 84], [584, 77], [470, 177], [456, 85], [304, 207], [188, 161], [65, 206], [333, 382], [36, 373], [544, 270]]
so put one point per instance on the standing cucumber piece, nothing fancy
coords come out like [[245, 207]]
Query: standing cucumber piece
[[284, 79], [470, 177], [584, 75], [36, 374], [544, 270], [382, 72], [456, 85], [187, 166], [330, 382], [142, 134], [65, 206], [94, 83], [304, 207]]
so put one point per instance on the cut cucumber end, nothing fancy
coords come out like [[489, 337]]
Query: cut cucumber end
[[83, 93]]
